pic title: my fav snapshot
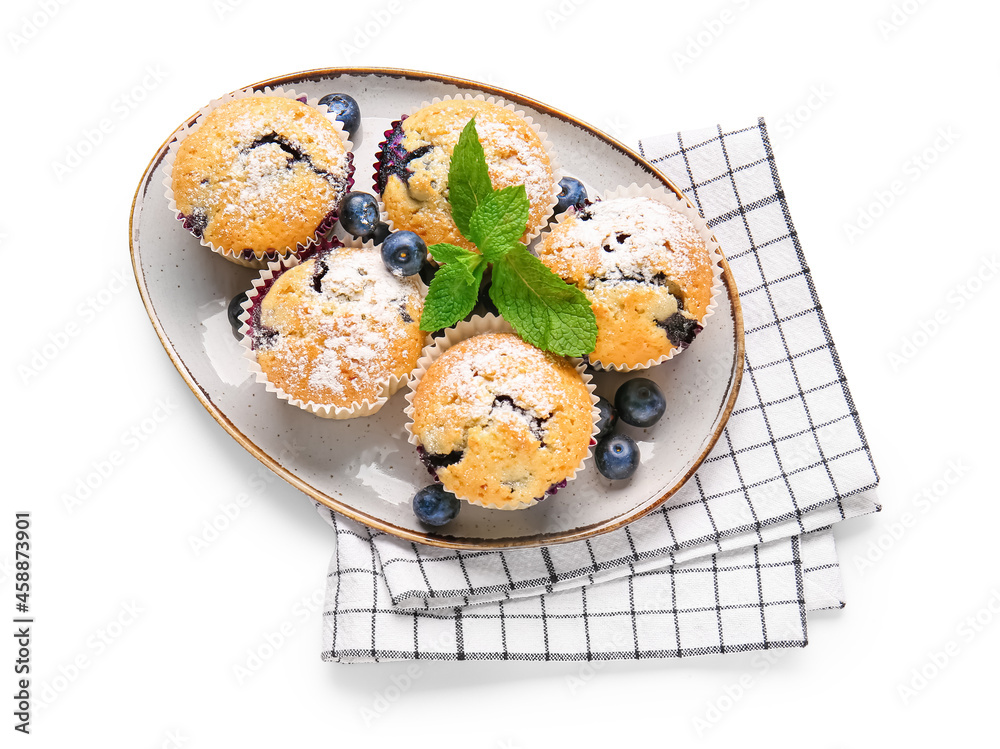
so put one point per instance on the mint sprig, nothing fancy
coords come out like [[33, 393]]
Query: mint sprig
[[498, 223], [542, 308], [468, 178], [454, 291]]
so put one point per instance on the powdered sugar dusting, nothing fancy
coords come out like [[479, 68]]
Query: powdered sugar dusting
[[359, 282], [344, 334], [264, 170], [514, 153], [500, 422], [266, 173], [628, 240], [489, 367], [264, 186], [512, 161], [326, 372], [307, 130]]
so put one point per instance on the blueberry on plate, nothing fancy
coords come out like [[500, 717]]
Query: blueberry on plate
[[403, 252], [608, 418], [435, 505], [640, 402], [359, 214], [572, 194], [381, 232], [235, 310], [617, 456], [345, 109]]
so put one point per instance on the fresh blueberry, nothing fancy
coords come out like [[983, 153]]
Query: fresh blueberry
[[640, 402], [381, 232], [235, 310], [435, 505], [617, 456], [345, 109], [403, 252], [608, 417], [359, 214], [572, 193]]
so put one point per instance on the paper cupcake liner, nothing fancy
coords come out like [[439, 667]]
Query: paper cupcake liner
[[468, 329], [259, 289], [241, 257], [670, 199], [542, 136]]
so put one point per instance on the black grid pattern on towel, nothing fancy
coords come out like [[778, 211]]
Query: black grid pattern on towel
[[748, 599], [793, 456]]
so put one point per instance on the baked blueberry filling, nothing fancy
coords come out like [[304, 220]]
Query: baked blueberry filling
[[404, 315], [395, 158], [434, 461], [261, 335], [196, 222], [297, 155], [583, 213], [264, 337], [680, 330], [514, 485], [320, 269], [620, 238], [535, 425], [658, 279], [418, 153], [289, 148], [553, 489]]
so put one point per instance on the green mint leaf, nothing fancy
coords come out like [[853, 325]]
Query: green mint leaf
[[453, 293], [468, 178], [499, 221], [544, 310], [449, 253]]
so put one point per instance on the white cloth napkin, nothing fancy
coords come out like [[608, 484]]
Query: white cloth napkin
[[732, 562]]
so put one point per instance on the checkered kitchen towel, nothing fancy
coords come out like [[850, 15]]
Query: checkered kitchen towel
[[732, 562]]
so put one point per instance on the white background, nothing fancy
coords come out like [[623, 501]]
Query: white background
[[888, 82]]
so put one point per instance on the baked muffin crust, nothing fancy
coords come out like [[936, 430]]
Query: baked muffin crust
[[500, 421], [414, 164], [335, 328], [260, 174], [645, 269]]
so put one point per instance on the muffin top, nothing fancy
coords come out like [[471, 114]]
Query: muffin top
[[645, 269], [413, 169], [260, 174], [333, 329], [502, 422]]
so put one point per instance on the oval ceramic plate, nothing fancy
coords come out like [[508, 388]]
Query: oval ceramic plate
[[364, 468]]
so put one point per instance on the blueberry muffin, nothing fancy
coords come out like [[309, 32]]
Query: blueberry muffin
[[260, 176], [500, 422], [337, 328], [412, 175], [645, 269]]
